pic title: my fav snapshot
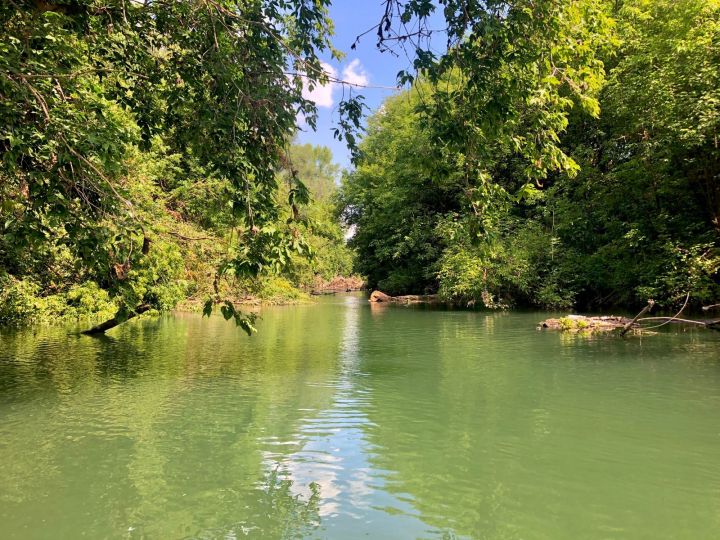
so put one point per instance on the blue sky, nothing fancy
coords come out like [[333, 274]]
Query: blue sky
[[364, 65]]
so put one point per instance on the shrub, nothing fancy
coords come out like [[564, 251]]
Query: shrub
[[19, 302]]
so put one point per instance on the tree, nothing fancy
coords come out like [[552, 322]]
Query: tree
[[566, 154], [394, 200], [86, 84], [484, 131], [641, 218]]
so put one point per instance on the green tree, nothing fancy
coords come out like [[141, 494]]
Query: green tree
[[559, 153], [641, 220], [480, 130], [331, 257], [86, 85], [394, 200]]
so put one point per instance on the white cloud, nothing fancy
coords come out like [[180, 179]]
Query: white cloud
[[322, 95], [354, 73]]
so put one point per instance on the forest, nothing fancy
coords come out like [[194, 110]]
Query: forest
[[576, 168], [557, 154], [148, 159]]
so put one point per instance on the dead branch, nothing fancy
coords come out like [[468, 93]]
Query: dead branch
[[674, 317], [626, 328]]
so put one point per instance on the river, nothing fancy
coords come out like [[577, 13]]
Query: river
[[345, 420]]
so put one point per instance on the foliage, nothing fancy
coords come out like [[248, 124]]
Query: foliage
[[277, 290], [317, 221], [569, 323], [516, 267], [21, 302], [642, 217], [118, 117], [186, 248], [561, 153], [558, 152], [394, 201], [503, 90]]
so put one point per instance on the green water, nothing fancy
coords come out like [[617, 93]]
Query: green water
[[342, 420]]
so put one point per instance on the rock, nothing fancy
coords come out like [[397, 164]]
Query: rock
[[378, 296]]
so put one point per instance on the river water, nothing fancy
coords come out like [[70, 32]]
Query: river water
[[345, 420]]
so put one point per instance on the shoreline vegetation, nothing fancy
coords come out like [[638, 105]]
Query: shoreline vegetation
[[575, 323], [86, 305], [187, 240], [559, 155]]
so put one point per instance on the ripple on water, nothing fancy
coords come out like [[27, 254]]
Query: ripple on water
[[339, 420]]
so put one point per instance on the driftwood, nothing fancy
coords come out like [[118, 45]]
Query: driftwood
[[115, 321], [711, 324], [381, 297], [580, 323], [647, 308]]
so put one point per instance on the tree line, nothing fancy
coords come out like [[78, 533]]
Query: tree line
[[554, 153], [560, 154], [147, 157]]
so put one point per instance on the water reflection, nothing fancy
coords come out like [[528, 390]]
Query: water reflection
[[340, 420], [336, 454], [538, 449], [160, 431]]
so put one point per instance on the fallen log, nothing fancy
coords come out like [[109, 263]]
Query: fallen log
[[118, 319], [580, 323], [380, 297]]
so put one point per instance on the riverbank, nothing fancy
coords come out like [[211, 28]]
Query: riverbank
[[23, 303]]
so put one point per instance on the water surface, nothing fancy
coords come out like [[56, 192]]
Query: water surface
[[345, 420]]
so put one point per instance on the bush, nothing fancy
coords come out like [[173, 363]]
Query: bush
[[277, 290], [86, 300], [19, 302]]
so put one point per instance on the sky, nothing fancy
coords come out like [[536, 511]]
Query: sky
[[365, 65]]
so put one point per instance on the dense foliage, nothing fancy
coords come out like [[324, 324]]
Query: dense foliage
[[561, 153], [558, 153], [132, 131]]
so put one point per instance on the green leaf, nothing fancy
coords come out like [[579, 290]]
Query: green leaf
[[246, 322], [227, 311], [208, 308]]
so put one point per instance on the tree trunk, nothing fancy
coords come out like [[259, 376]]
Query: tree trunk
[[115, 321]]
